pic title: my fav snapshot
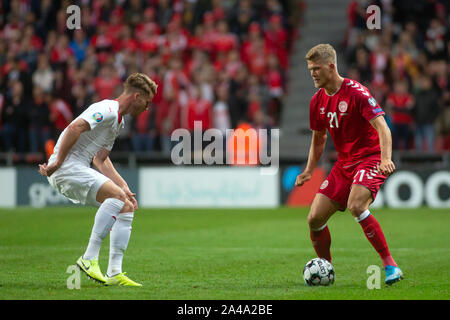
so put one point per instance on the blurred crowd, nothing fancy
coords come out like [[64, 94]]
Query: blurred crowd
[[406, 67], [220, 62]]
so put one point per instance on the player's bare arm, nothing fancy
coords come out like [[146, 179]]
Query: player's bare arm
[[386, 166], [73, 132], [318, 141], [104, 164]]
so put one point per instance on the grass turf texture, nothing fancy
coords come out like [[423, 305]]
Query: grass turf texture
[[216, 254]]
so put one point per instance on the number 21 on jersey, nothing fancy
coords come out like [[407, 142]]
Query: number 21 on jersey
[[333, 119]]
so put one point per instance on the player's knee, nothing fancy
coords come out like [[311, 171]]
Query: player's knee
[[128, 207], [356, 207], [314, 222], [119, 195]]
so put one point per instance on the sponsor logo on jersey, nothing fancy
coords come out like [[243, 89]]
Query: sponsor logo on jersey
[[98, 117], [372, 101], [343, 106]]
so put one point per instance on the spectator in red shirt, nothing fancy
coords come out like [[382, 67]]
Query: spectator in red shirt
[[174, 40], [233, 64], [198, 59], [254, 34], [36, 42], [257, 57], [62, 51], [144, 133], [106, 82], [149, 38], [199, 113], [115, 26], [198, 109], [224, 41], [274, 81], [209, 29], [379, 62], [276, 38], [175, 79], [126, 41], [168, 116], [147, 23], [199, 40], [60, 113], [401, 102], [254, 104], [102, 41]]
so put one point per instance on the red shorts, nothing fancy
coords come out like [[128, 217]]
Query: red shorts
[[339, 182]]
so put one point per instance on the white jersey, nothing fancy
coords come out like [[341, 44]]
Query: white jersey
[[105, 122]]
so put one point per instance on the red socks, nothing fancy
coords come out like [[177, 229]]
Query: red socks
[[321, 241], [374, 234]]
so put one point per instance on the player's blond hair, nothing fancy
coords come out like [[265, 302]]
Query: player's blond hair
[[141, 82], [323, 52]]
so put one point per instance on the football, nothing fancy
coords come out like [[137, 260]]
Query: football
[[318, 272]]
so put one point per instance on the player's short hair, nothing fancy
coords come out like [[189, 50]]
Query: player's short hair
[[140, 82], [323, 52]]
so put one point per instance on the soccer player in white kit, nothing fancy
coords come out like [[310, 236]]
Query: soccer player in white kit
[[89, 139]]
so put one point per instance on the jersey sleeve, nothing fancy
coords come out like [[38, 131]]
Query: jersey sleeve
[[368, 106], [98, 115], [314, 121], [109, 146]]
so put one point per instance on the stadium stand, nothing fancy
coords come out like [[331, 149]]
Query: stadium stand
[[222, 62], [227, 63], [412, 47], [406, 66]]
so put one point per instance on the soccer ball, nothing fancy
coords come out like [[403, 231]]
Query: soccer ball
[[318, 272]]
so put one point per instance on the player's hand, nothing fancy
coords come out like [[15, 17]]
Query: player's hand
[[302, 178], [386, 167], [131, 196], [48, 170]]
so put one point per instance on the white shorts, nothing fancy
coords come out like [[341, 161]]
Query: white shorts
[[78, 183]]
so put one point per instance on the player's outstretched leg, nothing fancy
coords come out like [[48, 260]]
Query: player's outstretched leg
[[358, 204], [119, 238], [321, 210]]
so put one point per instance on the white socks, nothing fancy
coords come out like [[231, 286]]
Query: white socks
[[104, 219], [120, 236], [363, 215]]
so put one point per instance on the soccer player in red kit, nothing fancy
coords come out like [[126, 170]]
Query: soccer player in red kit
[[363, 141]]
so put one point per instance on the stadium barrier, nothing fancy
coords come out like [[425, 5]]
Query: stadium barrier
[[195, 186], [208, 186], [201, 186], [403, 189]]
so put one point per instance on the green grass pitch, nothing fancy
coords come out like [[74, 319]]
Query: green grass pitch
[[222, 254]]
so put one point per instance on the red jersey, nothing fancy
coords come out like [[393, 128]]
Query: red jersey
[[346, 115]]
